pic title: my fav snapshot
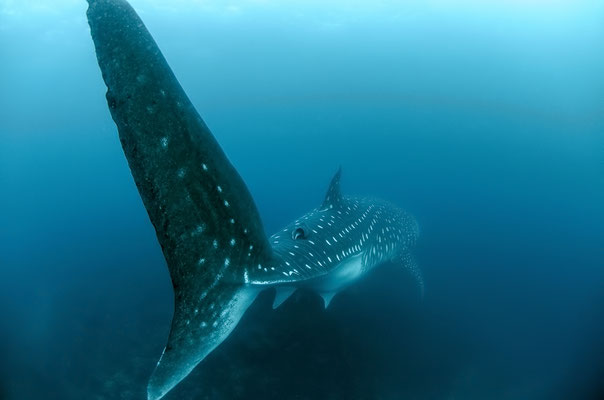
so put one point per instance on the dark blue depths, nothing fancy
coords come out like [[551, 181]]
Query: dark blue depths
[[491, 138]]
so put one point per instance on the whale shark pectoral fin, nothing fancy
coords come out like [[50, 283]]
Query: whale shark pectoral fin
[[327, 297], [333, 198], [409, 262], [282, 294], [204, 216]]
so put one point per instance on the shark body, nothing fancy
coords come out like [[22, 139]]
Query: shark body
[[331, 246], [206, 222]]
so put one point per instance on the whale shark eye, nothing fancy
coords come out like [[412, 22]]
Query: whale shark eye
[[299, 233]]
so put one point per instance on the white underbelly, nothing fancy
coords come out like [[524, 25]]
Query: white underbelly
[[341, 276]]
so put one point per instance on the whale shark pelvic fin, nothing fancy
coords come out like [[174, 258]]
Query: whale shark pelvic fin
[[205, 219], [327, 297]]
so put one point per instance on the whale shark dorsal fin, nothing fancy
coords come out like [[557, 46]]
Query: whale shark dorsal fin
[[204, 216], [333, 198]]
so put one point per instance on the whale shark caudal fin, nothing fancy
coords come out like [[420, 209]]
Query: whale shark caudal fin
[[410, 263], [205, 219]]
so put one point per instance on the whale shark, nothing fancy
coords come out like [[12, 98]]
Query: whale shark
[[211, 234]]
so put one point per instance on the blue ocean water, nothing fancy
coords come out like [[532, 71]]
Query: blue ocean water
[[485, 121]]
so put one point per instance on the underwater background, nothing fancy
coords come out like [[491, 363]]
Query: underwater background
[[483, 119]]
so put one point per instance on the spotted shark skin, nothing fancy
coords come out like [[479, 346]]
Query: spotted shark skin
[[344, 238], [206, 222]]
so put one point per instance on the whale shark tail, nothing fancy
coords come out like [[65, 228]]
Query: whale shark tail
[[204, 216], [409, 263]]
